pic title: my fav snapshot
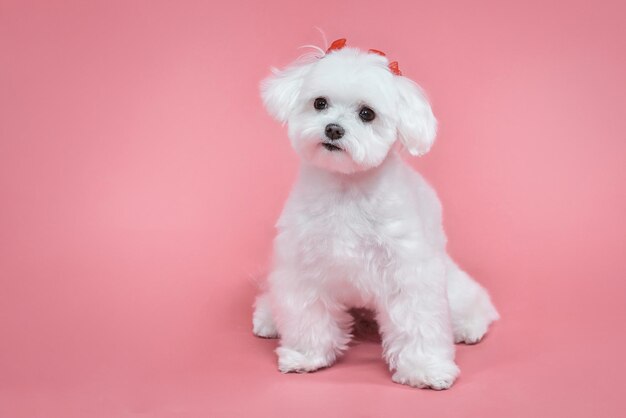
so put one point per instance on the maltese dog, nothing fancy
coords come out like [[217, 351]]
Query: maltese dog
[[361, 229]]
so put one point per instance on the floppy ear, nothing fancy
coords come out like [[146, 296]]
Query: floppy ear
[[417, 126], [280, 90]]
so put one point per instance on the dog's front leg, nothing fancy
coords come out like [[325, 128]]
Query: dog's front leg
[[414, 319], [313, 330]]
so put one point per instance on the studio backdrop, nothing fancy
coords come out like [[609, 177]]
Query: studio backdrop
[[140, 180]]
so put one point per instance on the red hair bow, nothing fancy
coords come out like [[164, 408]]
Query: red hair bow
[[336, 45], [340, 43]]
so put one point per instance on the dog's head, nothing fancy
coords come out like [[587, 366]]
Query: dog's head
[[346, 108]]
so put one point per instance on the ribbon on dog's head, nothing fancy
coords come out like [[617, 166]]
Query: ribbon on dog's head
[[338, 44]]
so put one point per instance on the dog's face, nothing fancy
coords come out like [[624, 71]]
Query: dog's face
[[346, 109]]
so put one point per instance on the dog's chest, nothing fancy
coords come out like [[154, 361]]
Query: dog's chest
[[344, 233]]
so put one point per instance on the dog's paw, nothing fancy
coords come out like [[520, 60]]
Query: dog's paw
[[436, 375], [473, 328], [470, 332], [469, 326], [262, 322], [264, 327], [290, 361]]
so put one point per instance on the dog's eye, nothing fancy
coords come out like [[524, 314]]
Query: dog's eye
[[366, 114], [320, 103]]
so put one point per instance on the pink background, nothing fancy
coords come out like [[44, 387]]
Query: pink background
[[140, 179]]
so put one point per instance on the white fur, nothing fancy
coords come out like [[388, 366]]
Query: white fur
[[361, 229]]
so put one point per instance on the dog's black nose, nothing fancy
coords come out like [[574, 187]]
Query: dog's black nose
[[334, 131]]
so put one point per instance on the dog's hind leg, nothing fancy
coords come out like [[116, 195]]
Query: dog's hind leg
[[262, 321], [470, 306]]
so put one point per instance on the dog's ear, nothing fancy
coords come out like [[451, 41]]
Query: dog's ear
[[417, 126], [280, 90]]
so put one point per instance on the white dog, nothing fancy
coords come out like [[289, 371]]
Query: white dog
[[360, 228]]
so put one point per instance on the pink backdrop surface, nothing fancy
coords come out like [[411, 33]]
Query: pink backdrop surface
[[140, 179]]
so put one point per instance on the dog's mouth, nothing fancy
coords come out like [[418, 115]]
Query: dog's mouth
[[331, 147]]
